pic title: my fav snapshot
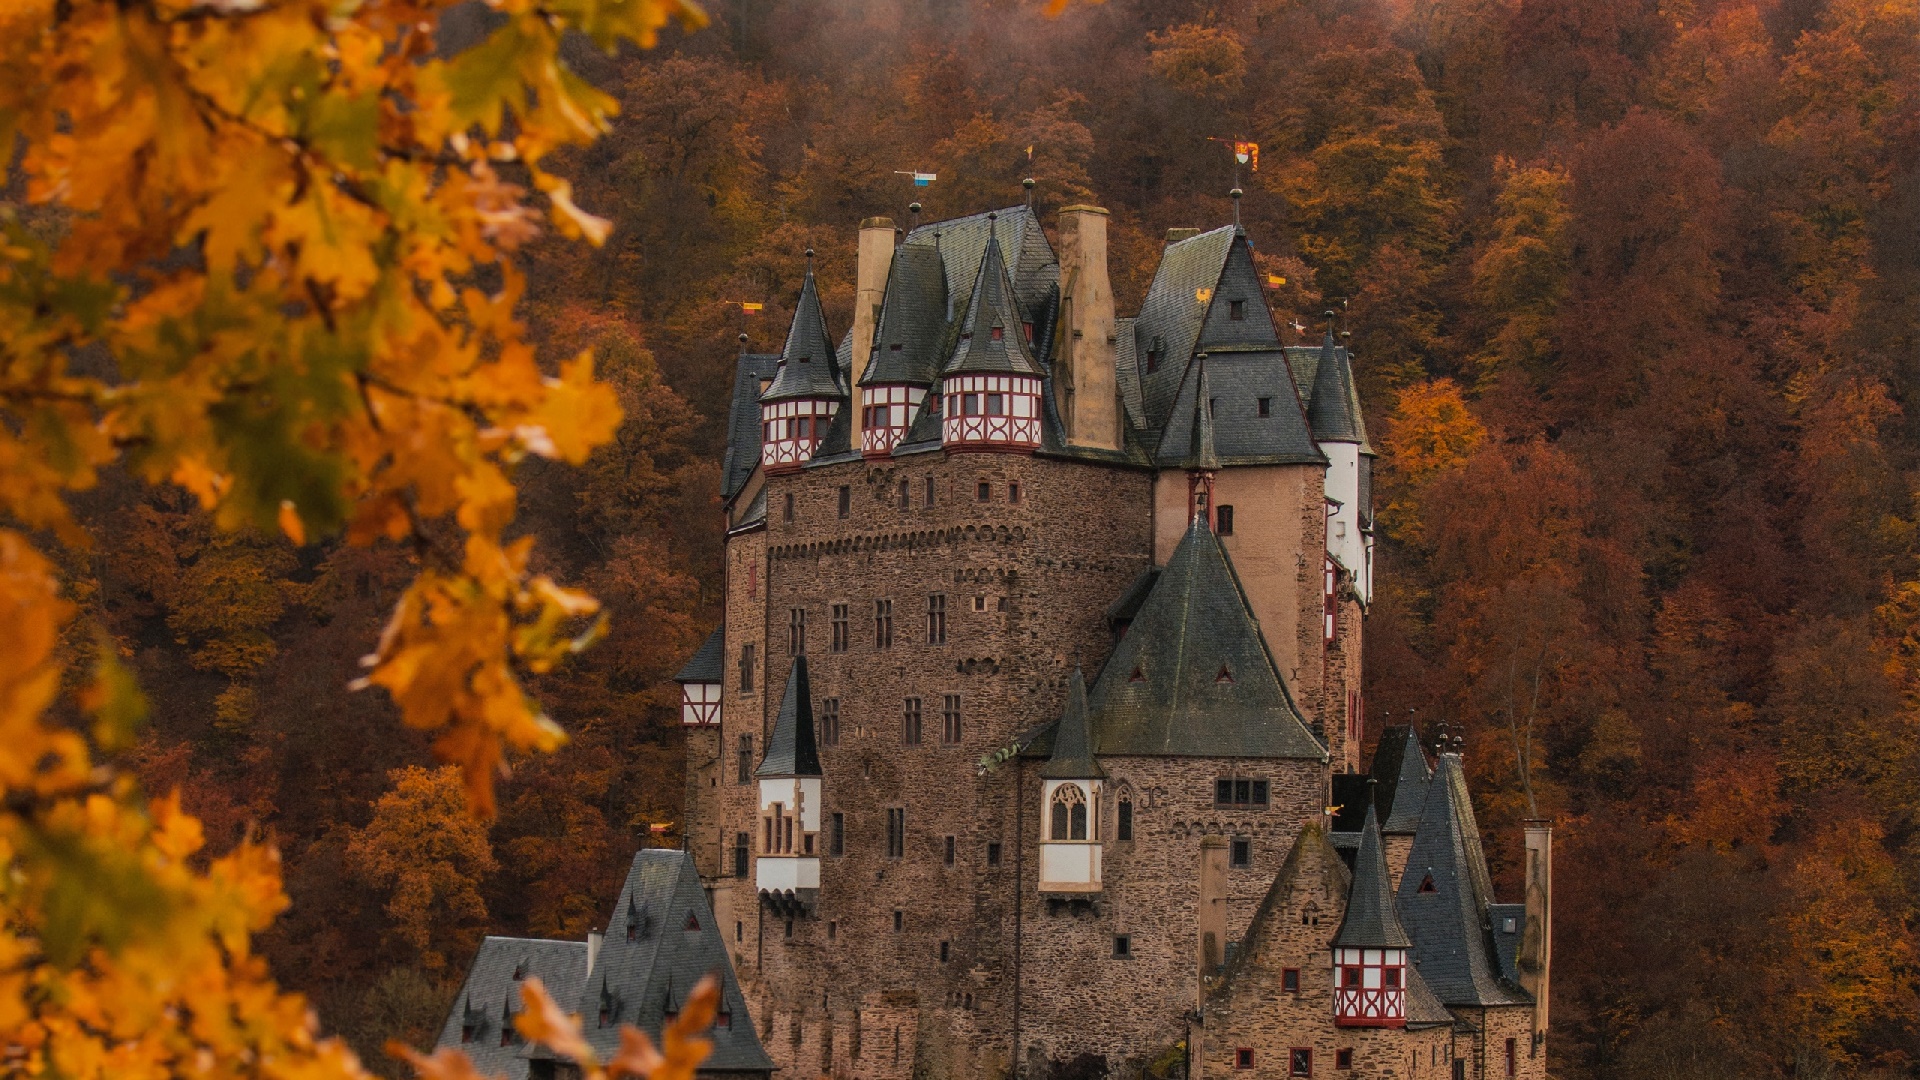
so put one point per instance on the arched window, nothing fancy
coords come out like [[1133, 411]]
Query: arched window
[[1069, 813], [1123, 819]]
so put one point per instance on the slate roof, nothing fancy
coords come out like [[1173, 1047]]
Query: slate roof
[[1305, 362], [1030, 261], [1333, 406], [808, 367], [1451, 936], [491, 993], [1172, 314], [1506, 946], [1200, 444], [1072, 745], [1370, 921], [1130, 601], [1274, 902], [706, 664], [743, 421], [1162, 691], [992, 339], [1126, 365], [790, 749], [676, 944], [1236, 383], [1401, 768], [913, 320]]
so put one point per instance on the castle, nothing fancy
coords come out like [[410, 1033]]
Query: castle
[[1030, 743]]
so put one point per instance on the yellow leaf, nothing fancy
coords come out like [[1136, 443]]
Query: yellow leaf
[[290, 523], [545, 1022]]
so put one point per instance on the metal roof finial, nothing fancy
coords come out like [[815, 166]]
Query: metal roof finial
[[809, 260], [1235, 196], [914, 209], [743, 344], [1028, 184]]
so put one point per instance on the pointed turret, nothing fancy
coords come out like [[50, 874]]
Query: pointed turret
[[906, 358], [807, 388], [791, 750], [1400, 767], [1072, 742], [788, 871], [1370, 951], [1371, 922], [1333, 408], [990, 384], [1070, 802], [1201, 456]]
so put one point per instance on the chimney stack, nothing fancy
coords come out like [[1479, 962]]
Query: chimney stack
[[872, 264], [595, 939], [1535, 960], [1212, 928], [1087, 389]]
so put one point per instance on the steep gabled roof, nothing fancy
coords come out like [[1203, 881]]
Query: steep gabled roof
[[1193, 676], [705, 665], [790, 749], [1072, 744], [1305, 360], [1444, 897], [492, 991], [807, 362], [1029, 258], [913, 318], [1370, 922], [1236, 384], [743, 421], [682, 947], [1173, 312], [1401, 768], [992, 338]]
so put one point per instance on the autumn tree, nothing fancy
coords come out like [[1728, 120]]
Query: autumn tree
[[427, 855]]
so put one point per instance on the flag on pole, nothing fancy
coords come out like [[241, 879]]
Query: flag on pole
[[752, 308], [1029, 153], [920, 179], [1248, 154], [1274, 281]]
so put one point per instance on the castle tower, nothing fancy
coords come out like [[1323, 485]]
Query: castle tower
[[990, 386], [806, 391], [1370, 951], [1340, 432], [873, 262], [787, 873], [1070, 806]]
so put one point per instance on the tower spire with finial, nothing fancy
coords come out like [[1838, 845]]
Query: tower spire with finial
[[1028, 185]]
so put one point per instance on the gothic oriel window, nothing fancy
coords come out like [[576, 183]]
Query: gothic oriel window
[[1069, 813]]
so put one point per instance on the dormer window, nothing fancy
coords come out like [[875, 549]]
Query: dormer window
[[1224, 676], [1136, 675], [1237, 310], [1426, 884], [1027, 329], [999, 332], [895, 347], [693, 921]]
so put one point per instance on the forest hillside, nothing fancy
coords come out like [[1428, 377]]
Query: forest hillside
[[1634, 295]]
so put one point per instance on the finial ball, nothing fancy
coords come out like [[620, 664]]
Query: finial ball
[[809, 253], [1236, 193], [914, 206], [743, 339]]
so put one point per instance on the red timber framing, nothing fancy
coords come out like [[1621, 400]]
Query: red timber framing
[[991, 412], [1370, 987], [885, 413], [790, 430], [699, 704]]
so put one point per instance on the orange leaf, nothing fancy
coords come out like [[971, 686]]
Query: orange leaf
[[545, 1022], [445, 1064], [637, 1057]]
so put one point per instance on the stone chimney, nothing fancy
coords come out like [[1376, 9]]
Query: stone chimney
[[1085, 387], [872, 264], [1535, 960], [595, 939], [1212, 928]]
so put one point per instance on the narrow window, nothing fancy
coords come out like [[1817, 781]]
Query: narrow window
[[1290, 980], [896, 839], [950, 719], [883, 624], [789, 928], [1123, 826], [984, 491], [466, 1033], [1223, 520], [745, 759], [979, 603], [788, 507], [944, 946], [906, 495], [1333, 601], [746, 668], [910, 722], [837, 835], [1266, 406], [1013, 492], [1237, 310], [846, 500], [949, 856], [1512, 1057], [796, 631], [1242, 792], [1350, 977], [830, 721], [993, 853], [740, 855], [833, 929], [899, 920], [1390, 978], [1343, 1058], [842, 628], [739, 931], [1300, 1061], [1243, 1058], [937, 619], [1223, 793], [1259, 793], [930, 490], [1241, 852]]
